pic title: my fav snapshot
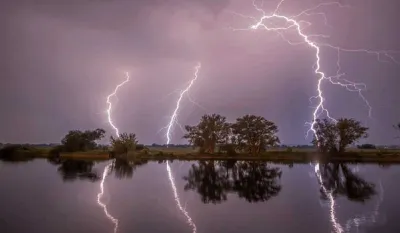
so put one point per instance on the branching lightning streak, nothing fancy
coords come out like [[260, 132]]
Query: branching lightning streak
[[110, 104], [173, 119], [100, 195], [291, 22], [174, 115]]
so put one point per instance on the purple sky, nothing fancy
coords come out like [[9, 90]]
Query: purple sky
[[60, 59]]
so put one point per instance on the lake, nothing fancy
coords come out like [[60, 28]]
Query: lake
[[205, 197]]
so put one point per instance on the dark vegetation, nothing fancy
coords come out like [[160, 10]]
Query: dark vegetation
[[249, 137], [334, 137]]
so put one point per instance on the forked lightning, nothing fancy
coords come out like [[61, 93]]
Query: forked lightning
[[109, 109]]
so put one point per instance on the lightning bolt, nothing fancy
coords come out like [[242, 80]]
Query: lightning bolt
[[169, 128], [110, 104], [100, 195], [267, 22], [174, 116]]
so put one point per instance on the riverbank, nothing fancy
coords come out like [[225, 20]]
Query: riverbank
[[163, 153], [284, 157]]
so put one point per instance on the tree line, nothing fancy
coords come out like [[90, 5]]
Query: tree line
[[213, 133], [254, 134]]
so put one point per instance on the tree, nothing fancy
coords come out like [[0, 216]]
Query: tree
[[77, 140], [326, 135], [336, 136], [350, 131], [211, 130], [124, 143], [254, 133]]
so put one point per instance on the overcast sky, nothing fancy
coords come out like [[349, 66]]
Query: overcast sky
[[60, 59]]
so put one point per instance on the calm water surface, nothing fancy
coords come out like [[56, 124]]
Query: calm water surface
[[203, 197]]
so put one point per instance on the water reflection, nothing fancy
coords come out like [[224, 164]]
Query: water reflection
[[252, 181], [370, 217], [342, 181], [71, 170], [123, 168], [339, 180], [178, 200], [100, 195]]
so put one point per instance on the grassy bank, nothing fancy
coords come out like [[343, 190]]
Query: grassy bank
[[295, 155], [279, 155], [87, 155]]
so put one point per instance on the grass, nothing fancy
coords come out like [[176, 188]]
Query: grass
[[85, 155], [285, 155], [279, 155]]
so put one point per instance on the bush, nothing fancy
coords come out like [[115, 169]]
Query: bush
[[366, 146], [56, 151], [18, 152], [140, 147], [124, 144]]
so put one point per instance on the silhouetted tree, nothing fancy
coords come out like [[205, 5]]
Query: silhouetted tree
[[326, 133], [77, 140], [124, 143], [254, 133], [336, 136], [211, 130], [350, 131]]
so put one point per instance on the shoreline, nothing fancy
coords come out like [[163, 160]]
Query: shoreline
[[188, 154], [279, 157]]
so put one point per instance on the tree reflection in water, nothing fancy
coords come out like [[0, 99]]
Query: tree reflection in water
[[124, 168], [253, 181], [342, 181], [71, 170]]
